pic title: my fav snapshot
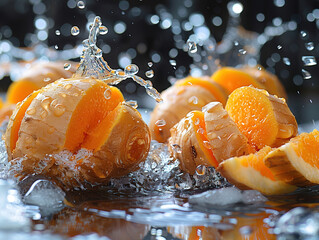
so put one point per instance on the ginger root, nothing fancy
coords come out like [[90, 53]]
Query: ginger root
[[206, 138], [178, 100], [70, 117], [37, 76]]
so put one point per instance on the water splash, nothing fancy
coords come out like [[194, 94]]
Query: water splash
[[93, 65]]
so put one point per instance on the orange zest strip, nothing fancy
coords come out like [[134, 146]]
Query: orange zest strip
[[19, 90], [232, 78], [201, 135], [210, 86], [18, 119], [90, 111]]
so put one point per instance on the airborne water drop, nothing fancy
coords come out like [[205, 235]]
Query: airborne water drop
[[75, 31], [149, 74]]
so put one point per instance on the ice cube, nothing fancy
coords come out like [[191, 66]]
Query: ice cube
[[46, 195], [226, 196], [13, 213], [298, 223]]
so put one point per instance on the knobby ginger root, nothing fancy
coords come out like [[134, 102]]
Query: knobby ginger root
[[206, 138], [178, 100], [75, 116], [37, 76]]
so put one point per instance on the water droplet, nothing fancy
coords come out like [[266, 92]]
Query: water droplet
[[81, 4], [197, 121], [63, 95], [309, 60], [172, 62], [279, 47], [160, 123], [207, 144], [51, 130], [57, 32], [98, 53], [58, 110], [286, 61], [43, 114], [149, 74], [305, 74], [200, 131], [303, 34], [193, 100], [56, 47], [47, 79], [86, 43], [67, 66], [68, 86], [45, 103], [246, 230], [103, 30], [176, 148], [242, 51], [107, 93], [31, 111], [75, 31], [310, 100], [236, 43], [192, 47], [309, 46], [131, 69], [201, 170], [150, 64], [132, 103]]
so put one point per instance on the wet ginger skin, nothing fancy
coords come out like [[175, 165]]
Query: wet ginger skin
[[73, 114], [184, 96]]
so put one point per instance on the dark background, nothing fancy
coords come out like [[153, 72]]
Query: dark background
[[17, 21]]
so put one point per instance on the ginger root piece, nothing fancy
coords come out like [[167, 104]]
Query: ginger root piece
[[72, 116], [297, 162], [263, 118], [206, 138], [178, 100], [37, 76], [269, 80], [189, 143], [250, 172], [224, 136]]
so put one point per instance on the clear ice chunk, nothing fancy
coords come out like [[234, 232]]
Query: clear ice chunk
[[298, 223], [13, 213], [227, 196], [46, 195]]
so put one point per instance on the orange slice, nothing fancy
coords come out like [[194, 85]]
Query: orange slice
[[231, 78], [267, 79], [297, 162], [213, 87], [264, 119], [250, 172]]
